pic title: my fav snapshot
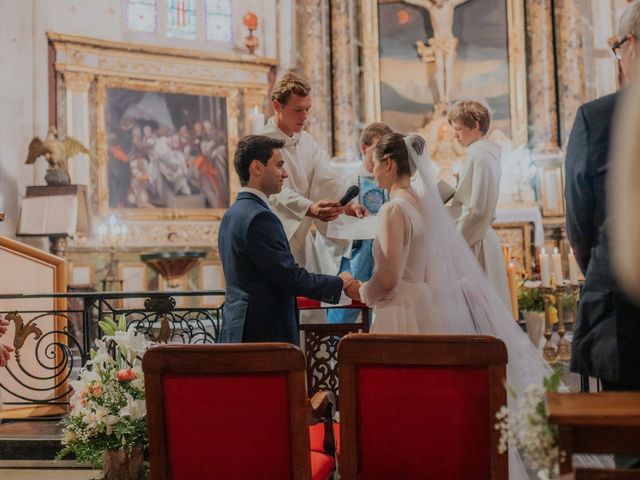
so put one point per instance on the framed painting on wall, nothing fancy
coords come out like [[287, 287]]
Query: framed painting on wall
[[163, 147], [419, 55]]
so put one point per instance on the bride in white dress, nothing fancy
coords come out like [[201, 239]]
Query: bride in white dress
[[426, 279]]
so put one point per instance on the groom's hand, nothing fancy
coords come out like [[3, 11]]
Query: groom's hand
[[325, 210], [347, 280]]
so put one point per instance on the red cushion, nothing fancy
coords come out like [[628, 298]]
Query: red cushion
[[416, 422], [316, 433], [223, 433], [321, 466], [305, 303]]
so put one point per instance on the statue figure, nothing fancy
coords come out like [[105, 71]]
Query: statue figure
[[57, 153], [443, 43]]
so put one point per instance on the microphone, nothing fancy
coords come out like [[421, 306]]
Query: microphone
[[352, 192]]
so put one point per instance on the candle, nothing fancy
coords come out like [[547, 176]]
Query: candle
[[513, 290], [544, 269], [574, 269], [556, 261], [256, 121]]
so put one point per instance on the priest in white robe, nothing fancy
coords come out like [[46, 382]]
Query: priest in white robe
[[473, 206], [312, 191]]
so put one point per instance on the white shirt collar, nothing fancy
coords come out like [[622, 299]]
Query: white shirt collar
[[261, 195], [289, 141]]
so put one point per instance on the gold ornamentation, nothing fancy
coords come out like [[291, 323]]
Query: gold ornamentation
[[57, 153], [22, 331]]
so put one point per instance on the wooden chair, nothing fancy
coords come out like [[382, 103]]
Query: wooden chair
[[419, 406], [236, 411], [606, 422]]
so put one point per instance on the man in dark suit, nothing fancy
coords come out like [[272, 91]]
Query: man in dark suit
[[606, 342], [261, 275]]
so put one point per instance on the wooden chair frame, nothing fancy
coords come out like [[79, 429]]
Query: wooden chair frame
[[605, 422], [222, 359], [417, 350]]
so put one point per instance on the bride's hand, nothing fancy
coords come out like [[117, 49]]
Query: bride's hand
[[356, 210]]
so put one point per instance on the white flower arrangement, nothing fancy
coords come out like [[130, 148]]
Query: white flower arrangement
[[108, 410], [526, 428]]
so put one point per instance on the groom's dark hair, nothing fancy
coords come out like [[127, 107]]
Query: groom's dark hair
[[250, 148]]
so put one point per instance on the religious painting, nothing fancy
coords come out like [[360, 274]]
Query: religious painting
[[421, 56], [164, 148]]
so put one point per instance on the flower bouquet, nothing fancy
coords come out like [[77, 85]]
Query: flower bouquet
[[526, 428], [108, 410]]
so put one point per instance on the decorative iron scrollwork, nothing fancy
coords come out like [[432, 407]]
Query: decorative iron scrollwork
[[160, 304]]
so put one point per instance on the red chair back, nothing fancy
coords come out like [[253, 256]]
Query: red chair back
[[227, 411], [417, 406]]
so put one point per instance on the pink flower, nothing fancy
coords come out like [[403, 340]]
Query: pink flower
[[96, 390], [126, 375]]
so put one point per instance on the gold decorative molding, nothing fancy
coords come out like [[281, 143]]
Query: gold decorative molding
[[80, 54], [78, 81], [81, 41]]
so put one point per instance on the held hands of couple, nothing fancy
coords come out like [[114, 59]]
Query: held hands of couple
[[350, 285]]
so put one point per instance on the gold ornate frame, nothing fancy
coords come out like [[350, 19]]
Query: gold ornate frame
[[81, 71], [517, 66], [102, 84]]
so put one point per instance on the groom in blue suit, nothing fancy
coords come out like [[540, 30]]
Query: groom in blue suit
[[261, 275]]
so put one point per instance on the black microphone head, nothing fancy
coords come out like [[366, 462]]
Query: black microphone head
[[352, 192]]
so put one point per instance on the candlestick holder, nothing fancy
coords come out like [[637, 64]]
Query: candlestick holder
[[548, 351], [563, 350]]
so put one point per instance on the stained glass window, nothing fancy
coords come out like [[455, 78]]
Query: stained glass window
[[218, 21], [142, 15], [182, 19]]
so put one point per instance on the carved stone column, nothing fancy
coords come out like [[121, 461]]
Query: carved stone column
[[314, 65], [570, 61], [77, 86], [541, 82], [344, 79]]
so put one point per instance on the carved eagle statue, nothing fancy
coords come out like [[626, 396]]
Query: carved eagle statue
[[57, 153]]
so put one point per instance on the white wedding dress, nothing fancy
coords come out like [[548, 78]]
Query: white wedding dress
[[427, 280]]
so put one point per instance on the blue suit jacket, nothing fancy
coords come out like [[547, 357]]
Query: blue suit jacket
[[262, 278], [606, 341]]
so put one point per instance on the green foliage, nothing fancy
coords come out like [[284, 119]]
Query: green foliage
[[530, 299]]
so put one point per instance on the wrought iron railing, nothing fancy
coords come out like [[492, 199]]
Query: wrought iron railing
[[53, 343]]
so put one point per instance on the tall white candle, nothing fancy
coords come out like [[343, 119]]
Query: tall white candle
[[574, 269], [256, 120], [545, 275], [556, 260]]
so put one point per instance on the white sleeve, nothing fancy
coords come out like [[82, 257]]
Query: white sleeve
[[475, 217], [292, 202], [394, 234]]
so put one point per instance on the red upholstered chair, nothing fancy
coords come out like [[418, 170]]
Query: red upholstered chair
[[421, 407], [236, 411]]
